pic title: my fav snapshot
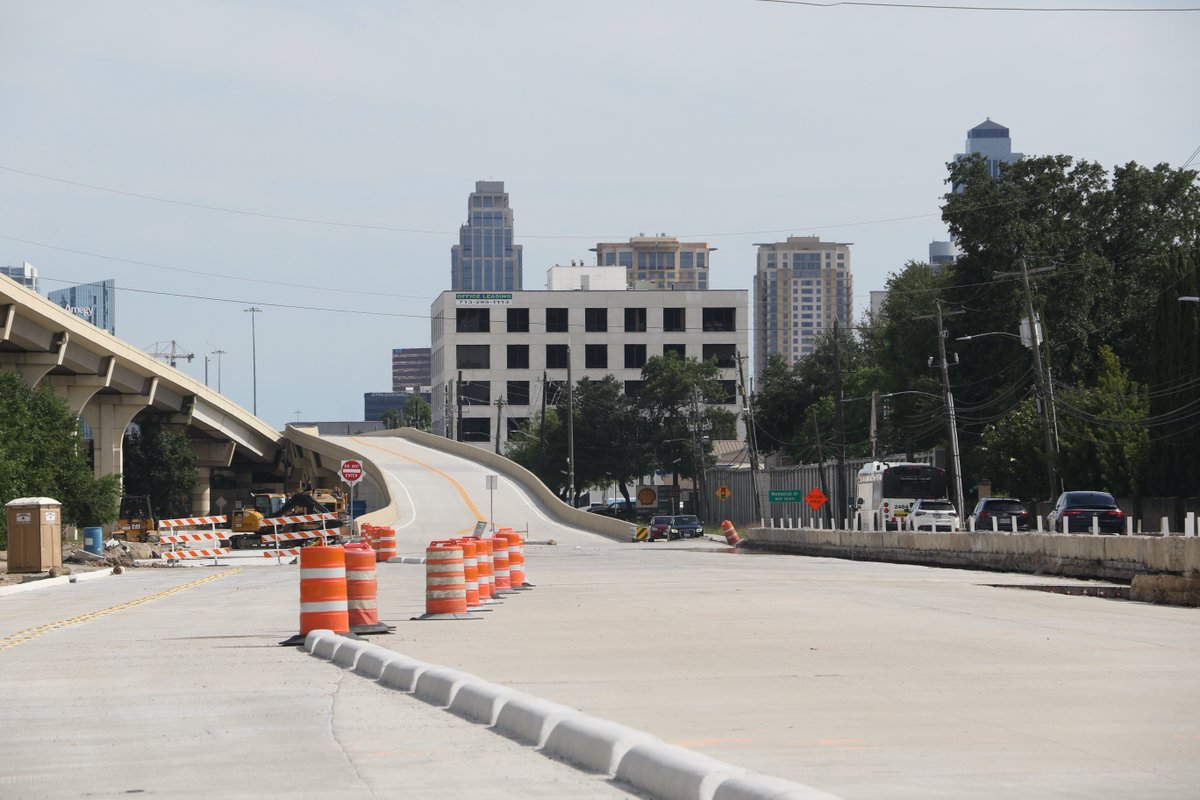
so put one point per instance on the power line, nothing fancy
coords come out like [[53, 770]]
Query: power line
[[938, 7]]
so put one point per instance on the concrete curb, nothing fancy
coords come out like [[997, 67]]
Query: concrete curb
[[74, 577], [662, 771], [673, 773], [596, 745]]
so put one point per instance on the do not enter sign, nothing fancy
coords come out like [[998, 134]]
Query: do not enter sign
[[351, 471]]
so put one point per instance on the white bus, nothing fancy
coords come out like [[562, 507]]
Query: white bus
[[887, 490]]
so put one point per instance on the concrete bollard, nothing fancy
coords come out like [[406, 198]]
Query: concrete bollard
[[1166, 530], [1189, 524]]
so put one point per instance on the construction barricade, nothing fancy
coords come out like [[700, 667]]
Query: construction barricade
[[192, 537], [487, 578], [500, 565], [516, 560], [731, 534], [445, 582], [323, 601], [385, 542], [362, 590]]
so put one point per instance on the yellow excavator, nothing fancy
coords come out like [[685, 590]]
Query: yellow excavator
[[246, 528]]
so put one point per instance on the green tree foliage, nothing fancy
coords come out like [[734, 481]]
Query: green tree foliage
[[1103, 443], [43, 455], [609, 446], [159, 462], [672, 388], [418, 413], [1010, 452], [391, 419], [541, 448]]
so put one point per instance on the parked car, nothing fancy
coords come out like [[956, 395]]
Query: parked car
[[686, 526], [1002, 509], [1078, 509], [933, 515], [660, 527]]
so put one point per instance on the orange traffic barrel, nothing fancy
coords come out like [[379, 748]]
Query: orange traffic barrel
[[516, 559], [323, 601], [385, 547], [471, 570], [445, 582], [731, 534], [369, 535], [500, 564], [362, 590], [487, 577]]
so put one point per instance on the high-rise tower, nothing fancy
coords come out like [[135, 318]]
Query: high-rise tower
[[992, 141], [800, 287], [485, 258]]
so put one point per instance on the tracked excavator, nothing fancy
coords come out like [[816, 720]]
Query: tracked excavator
[[246, 526]]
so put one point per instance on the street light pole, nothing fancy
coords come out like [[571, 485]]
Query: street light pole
[[949, 400], [253, 310], [218, 354]]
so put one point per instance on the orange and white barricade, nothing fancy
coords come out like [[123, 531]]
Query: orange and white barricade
[[192, 538], [362, 590], [179, 555], [385, 543], [445, 582], [516, 560], [731, 534], [487, 577], [500, 565], [471, 571]]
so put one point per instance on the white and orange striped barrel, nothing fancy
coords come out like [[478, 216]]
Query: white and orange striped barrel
[[385, 543], [731, 534], [516, 558], [445, 580], [500, 561], [471, 570], [323, 601], [487, 583], [362, 587]]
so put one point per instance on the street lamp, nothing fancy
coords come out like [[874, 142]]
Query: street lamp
[[253, 310], [218, 354], [1187, 298]]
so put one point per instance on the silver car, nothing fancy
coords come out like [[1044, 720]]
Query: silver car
[[932, 515]]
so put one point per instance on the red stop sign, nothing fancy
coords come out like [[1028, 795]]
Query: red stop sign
[[351, 471]]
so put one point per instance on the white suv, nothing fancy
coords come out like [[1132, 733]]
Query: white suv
[[933, 515]]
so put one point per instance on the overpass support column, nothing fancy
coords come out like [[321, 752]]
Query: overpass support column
[[201, 492], [108, 420]]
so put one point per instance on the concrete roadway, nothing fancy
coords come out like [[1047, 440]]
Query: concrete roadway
[[864, 680]]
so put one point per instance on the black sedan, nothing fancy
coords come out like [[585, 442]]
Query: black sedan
[[1004, 510], [686, 526], [1076, 510]]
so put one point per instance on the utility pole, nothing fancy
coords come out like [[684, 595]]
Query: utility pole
[[218, 354], [751, 438], [699, 490], [821, 465], [499, 409], [459, 399], [253, 311], [839, 424], [570, 433], [542, 432], [948, 399], [874, 425], [1043, 395]]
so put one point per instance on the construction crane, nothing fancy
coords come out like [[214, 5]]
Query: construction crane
[[170, 356]]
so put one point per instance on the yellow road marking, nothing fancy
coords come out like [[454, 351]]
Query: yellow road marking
[[461, 491], [20, 637]]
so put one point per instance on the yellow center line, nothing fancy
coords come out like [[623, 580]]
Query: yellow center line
[[461, 491], [20, 637]]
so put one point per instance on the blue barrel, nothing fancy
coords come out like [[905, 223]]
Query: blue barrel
[[93, 540]]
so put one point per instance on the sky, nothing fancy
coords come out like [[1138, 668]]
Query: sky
[[313, 159]]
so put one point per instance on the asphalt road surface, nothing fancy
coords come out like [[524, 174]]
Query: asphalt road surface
[[864, 680]]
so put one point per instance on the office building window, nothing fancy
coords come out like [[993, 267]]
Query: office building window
[[674, 320], [632, 388], [518, 320], [723, 353], [517, 425], [720, 319], [595, 320], [472, 356], [635, 320], [556, 356], [476, 429], [595, 356], [635, 356], [473, 320], [518, 356], [517, 393], [475, 393], [554, 392], [556, 320], [675, 349]]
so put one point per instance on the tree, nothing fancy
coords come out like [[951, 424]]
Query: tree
[[609, 445], [680, 396], [160, 463], [42, 454], [390, 419], [418, 413]]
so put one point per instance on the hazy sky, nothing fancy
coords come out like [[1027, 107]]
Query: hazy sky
[[173, 138]]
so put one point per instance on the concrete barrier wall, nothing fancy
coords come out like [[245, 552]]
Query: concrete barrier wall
[[383, 515], [1074, 555], [549, 502]]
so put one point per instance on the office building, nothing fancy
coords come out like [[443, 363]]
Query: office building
[[94, 302], [992, 141], [26, 275], [376, 404], [800, 287], [485, 258], [584, 278], [410, 370], [514, 347], [661, 262], [941, 254]]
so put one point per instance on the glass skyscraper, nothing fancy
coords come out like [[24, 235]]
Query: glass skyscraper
[[485, 258], [991, 140], [26, 275], [95, 302]]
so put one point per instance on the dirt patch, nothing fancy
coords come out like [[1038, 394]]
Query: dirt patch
[[76, 560]]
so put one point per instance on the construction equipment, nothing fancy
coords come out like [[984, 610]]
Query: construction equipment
[[246, 526], [135, 519]]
